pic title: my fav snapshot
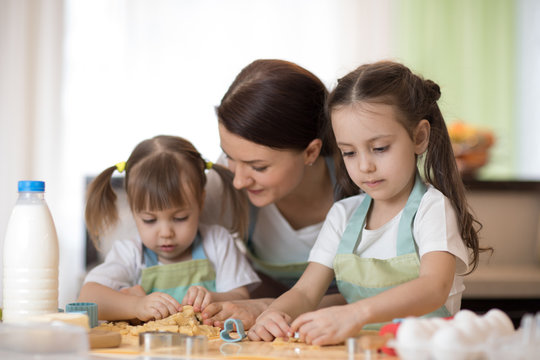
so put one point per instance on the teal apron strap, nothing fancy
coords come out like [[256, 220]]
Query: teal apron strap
[[405, 241], [353, 232]]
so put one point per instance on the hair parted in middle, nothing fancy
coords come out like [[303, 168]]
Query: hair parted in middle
[[413, 99]]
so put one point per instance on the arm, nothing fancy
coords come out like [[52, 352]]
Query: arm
[[304, 296], [117, 305], [417, 297], [201, 297]]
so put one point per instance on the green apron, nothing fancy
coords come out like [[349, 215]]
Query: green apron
[[175, 279], [286, 273], [359, 278]]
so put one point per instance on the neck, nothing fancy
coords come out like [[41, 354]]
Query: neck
[[314, 186]]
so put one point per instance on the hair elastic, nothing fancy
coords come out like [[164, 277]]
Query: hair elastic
[[209, 165], [121, 166]]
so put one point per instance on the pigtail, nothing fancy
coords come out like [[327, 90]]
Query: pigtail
[[237, 200], [440, 170], [100, 212]]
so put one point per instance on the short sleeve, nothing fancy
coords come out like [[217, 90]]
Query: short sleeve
[[231, 266], [121, 267], [436, 228]]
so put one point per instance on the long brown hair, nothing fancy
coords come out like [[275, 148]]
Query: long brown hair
[[276, 103], [161, 173], [414, 99]]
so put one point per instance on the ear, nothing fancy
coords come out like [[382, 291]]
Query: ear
[[312, 151], [421, 136]]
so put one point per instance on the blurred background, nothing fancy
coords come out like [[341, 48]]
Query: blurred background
[[83, 81]]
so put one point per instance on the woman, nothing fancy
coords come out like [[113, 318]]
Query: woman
[[271, 125]]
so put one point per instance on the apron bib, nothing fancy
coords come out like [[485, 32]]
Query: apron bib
[[286, 273], [175, 279], [359, 278]]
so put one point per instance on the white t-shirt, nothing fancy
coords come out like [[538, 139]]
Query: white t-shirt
[[124, 262], [435, 228], [274, 239]]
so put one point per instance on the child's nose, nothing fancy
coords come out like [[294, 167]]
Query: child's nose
[[166, 230], [366, 164]]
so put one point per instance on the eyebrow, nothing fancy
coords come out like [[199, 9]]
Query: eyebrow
[[249, 162], [375, 138]]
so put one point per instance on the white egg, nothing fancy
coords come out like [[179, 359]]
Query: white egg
[[450, 337], [471, 329], [500, 323], [464, 316], [414, 331]]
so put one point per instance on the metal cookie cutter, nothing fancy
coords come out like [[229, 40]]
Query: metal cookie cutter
[[158, 340], [163, 342], [228, 326]]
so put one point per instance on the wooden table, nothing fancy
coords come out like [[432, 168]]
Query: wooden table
[[218, 349]]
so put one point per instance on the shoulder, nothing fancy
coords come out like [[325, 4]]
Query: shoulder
[[345, 208], [215, 237], [434, 201], [213, 231]]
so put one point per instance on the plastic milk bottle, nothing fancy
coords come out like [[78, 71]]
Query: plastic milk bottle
[[30, 280]]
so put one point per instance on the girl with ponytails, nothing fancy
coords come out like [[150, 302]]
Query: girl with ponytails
[[174, 260]]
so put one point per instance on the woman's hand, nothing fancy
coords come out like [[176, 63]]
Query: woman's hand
[[247, 311], [199, 297], [270, 324], [327, 326], [156, 306]]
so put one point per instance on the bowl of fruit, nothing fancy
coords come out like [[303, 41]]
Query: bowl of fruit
[[471, 146]]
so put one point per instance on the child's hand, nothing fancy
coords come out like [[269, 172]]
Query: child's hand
[[197, 296], [270, 324], [156, 306], [327, 326]]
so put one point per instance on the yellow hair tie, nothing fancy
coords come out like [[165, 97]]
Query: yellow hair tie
[[209, 165], [121, 166]]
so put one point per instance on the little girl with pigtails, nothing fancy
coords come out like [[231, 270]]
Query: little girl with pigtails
[[174, 260], [402, 245]]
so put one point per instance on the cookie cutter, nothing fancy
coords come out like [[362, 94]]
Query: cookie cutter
[[172, 343], [91, 310], [229, 326], [157, 340]]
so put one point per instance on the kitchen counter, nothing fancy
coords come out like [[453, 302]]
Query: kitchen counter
[[509, 279]]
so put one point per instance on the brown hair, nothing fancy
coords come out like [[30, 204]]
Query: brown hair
[[161, 173], [276, 103], [414, 99]]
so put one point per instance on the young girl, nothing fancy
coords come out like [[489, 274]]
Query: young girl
[[174, 258], [397, 249]]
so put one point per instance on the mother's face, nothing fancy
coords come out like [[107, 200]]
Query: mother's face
[[267, 174]]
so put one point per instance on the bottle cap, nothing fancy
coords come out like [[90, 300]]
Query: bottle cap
[[31, 185]]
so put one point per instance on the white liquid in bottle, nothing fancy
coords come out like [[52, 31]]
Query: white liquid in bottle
[[30, 256]]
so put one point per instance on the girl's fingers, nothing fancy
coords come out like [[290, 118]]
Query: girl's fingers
[[277, 329], [190, 296], [215, 311], [170, 302], [206, 301], [260, 333]]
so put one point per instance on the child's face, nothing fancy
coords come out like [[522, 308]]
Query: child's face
[[377, 150], [267, 174], [169, 233]]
